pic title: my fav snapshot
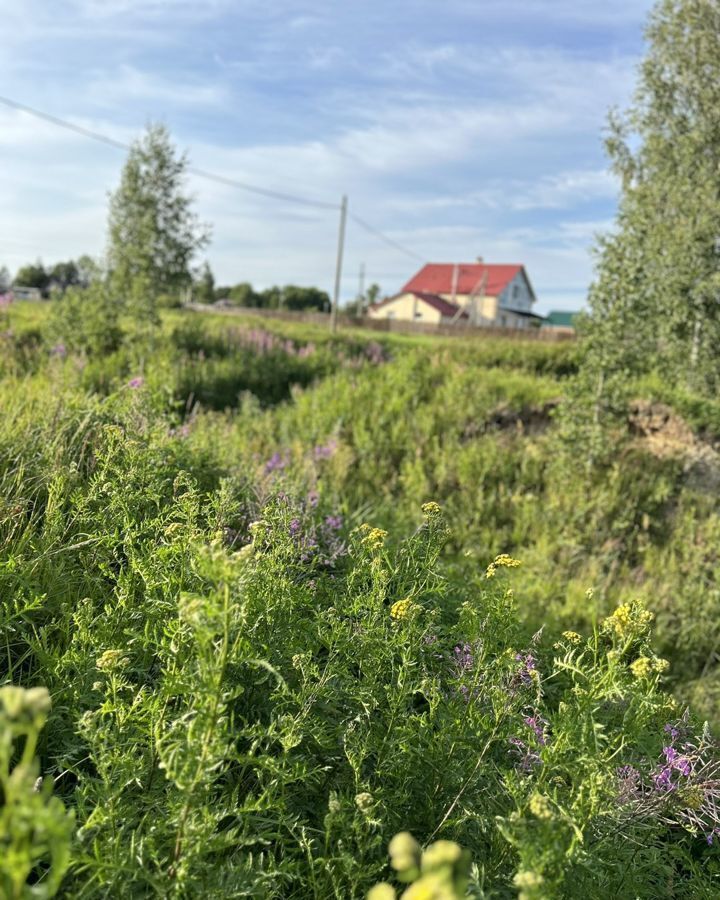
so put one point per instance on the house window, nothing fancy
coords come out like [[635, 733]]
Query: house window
[[516, 291], [503, 321], [418, 315]]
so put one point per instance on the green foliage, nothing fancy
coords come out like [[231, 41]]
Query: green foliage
[[87, 321], [654, 302], [153, 233], [33, 275], [35, 829], [254, 690]]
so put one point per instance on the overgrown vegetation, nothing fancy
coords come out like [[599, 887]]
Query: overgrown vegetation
[[269, 649]]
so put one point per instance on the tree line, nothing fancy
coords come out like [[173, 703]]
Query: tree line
[[154, 238]]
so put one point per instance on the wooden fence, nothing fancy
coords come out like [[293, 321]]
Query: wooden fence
[[395, 326]]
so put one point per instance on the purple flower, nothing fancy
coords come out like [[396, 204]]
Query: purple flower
[[537, 723], [294, 527], [529, 665], [663, 780], [527, 758], [463, 658], [59, 350], [313, 498], [325, 451], [275, 463], [334, 522], [672, 731], [136, 382]]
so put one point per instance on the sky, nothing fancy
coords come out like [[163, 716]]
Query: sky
[[457, 128]]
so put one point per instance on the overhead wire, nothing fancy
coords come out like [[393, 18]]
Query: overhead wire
[[192, 170], [209, 176]]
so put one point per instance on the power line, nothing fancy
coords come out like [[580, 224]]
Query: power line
[[209, 176], [384, 237], [192, 170]]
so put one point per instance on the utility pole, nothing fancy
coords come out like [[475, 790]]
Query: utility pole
[[361, 287], [338, 265]]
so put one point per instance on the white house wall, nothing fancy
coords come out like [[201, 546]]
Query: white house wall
[[517, 294]]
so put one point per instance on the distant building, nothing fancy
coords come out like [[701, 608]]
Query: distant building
[[418, 306], [26, 293], [468, 293], [561, 321]]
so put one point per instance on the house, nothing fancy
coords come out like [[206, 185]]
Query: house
[[26, 293], [418, 306], [560, 321], [471, 293]]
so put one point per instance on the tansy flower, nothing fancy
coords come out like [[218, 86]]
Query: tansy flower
[[540, 807], [372, 538], [628, 619], [572, 636], [641, 667], [503, 561], [431, 509], [112, 659], [402, 609]]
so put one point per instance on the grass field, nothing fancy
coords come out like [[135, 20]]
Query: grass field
[[291, 594]]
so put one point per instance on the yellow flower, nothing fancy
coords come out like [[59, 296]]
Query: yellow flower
[[364, 802], [372, 538], [627, 620], [381, 892], [528, 880], [641, 667], [540, 807], [404, 853], [572, 636], [402, 609], [503, 561], [660, 665], [431, 509], [112, 659]]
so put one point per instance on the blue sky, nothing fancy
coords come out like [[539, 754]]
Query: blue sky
[[458, 127]]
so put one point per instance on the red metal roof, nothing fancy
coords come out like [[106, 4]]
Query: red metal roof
[[437, 278]]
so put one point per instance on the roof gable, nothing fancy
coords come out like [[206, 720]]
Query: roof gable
[[437, 278], [444, 307]]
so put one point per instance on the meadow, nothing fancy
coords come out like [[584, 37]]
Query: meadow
[[269, 597]]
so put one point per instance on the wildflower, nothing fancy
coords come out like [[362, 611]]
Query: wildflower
[[275, 463], [660, 665], [325, 451], [59, 350], [628, 620], [136, 382], [294, 528], [404, 853], [373, 538], [528, 880], [527, 758], [641, 667], [431, 509], [503, 561], [537, 724], [112, 659], [334, 522], [27, 704], [572, 637], [382, 891], [402, 609], [528, 670], [463, 657], [313, 498], [540, 807], [364, 802]]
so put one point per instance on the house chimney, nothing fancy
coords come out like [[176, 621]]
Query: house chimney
[[479, 259]]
